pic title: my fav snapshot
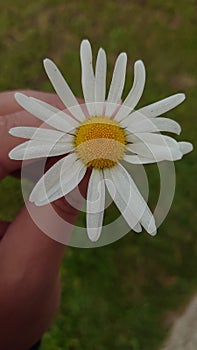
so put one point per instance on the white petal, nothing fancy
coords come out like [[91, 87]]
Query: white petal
[[118, 79], [60, 121], [46, 105], [38, 149], [155, 109], [95, 205], [185, 147], [167, 125], [67, 182], [117, 84], [59, 180], [141, 123], [63, 90], [156, 152], [51, 179], [134, 159], [100, 81], [158, 147], [120, 203], [59, 83], [76, 110], [128, 192], [138, 85], [123, 112], [157, 139], [88, 79], [36, 133], [135, 93]]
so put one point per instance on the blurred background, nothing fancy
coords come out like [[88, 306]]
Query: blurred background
[[127, 295]]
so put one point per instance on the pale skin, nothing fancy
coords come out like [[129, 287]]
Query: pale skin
[[29, 259]]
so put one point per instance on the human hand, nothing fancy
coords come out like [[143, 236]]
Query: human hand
[[12, 115], [23, 246]]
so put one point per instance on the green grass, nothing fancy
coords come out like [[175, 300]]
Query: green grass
[[121, 296]]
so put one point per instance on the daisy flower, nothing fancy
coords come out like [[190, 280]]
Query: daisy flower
[[101, 135]]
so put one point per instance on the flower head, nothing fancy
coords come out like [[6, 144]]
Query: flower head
[[100, 135]]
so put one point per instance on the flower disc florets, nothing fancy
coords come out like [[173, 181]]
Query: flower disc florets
[[100, 142]]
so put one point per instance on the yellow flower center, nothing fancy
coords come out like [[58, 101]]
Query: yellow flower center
[[100, 142]]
